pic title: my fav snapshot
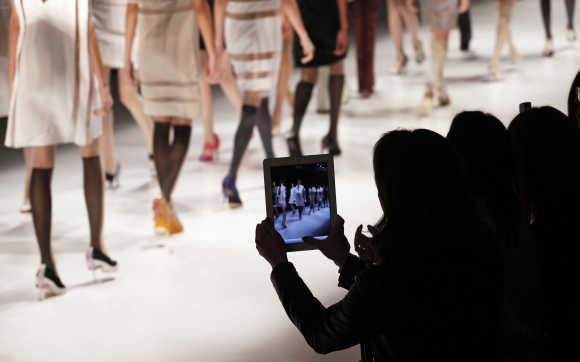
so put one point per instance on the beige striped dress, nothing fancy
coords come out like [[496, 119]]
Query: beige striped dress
[[109, 19], [167, 58], [253, 35], [4, 28], [53, 86]]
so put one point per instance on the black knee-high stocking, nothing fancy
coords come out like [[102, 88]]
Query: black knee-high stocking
[[302, 97], [335, 88], [161, 151], [177, 153], [41, 204], [242, 138], [93, 184], [570, 5], [546, 16], [264, 123]]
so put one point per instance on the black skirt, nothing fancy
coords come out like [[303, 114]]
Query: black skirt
[[322, 21]]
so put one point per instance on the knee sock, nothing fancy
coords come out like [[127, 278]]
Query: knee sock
[[177, 154], [161, 152], [335, 88], [264, 123], [242, 138], [93, 184], [570, 4], [302, 97], [41, 204], [546, 16]]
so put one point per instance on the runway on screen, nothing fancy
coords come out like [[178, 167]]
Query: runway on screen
[[205, 295]]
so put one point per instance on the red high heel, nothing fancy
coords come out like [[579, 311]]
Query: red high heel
[[209, 149]]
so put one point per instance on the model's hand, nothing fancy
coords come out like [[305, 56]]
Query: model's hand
[[127, 75], [106, 101], [270, 244], [363, 245], [307, 49], [335, 247], [341, 42], [464, 6], [212, 71]]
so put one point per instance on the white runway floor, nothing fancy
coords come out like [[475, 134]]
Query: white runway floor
[[205, 295]]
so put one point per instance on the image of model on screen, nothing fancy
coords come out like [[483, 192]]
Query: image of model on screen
[[280, 203]]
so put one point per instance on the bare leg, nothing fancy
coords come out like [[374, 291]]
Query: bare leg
[[230, 87], [107, 141], [503, 35], [209, 136], [283, 79], [396, 30], [410, 20], [130, 99]]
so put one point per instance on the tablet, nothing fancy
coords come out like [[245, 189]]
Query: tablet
[[300, 198]]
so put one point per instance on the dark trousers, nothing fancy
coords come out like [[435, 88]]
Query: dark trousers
[[464, 22], [364, 15]]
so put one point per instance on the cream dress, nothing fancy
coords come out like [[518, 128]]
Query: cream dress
[[253, 34], [109, 19], [4, 29], [53, 87], [167, 58]]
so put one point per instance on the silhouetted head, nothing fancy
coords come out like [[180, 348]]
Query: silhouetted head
[[483, 143], [574, 100], [546, 153], [420, 179]]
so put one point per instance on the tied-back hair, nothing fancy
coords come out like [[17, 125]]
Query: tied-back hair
[[484, 145], [421, 186]]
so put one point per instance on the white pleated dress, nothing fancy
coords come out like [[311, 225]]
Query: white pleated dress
[[54, 92], [4, 29], [253, 35], [167, 58], [109, 19]]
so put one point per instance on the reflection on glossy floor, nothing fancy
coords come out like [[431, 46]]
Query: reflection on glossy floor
[[205, 295]]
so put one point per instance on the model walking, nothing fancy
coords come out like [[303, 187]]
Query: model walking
[[281, 202], [57, 33], [253, 34], [167, 61], [312, 198], [504, 37], [300, 198], [441, 16], [400, 13], [326, 22], [546, 7], [109, 17], [229, 87]]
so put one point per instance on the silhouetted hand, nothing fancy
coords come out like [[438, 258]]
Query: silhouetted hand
[[363, 245], [270, 244], [335, 247]]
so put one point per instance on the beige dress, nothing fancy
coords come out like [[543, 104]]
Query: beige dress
[[253, 34], [109, 19], [167, 58], [53, 86], [4, 28]]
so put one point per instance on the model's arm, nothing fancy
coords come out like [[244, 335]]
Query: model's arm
[[204, 22], [13, 36], [290, 9], [464, 5], [219, 18], [342, 36], [97, 68], [130, 26]]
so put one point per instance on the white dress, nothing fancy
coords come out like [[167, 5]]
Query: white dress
[[292, 200], [109, 19], [54, 92], [167, 58], [299, 196], [4, 29], [253, 35]]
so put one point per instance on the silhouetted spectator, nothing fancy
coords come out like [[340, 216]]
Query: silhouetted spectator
[[546, 149], [574, 100], [435, 292]]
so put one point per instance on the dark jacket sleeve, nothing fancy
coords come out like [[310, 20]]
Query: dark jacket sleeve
[[343, 325], [349, 271]]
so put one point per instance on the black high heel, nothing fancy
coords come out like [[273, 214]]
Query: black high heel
[[329, 144], [294, 146]]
